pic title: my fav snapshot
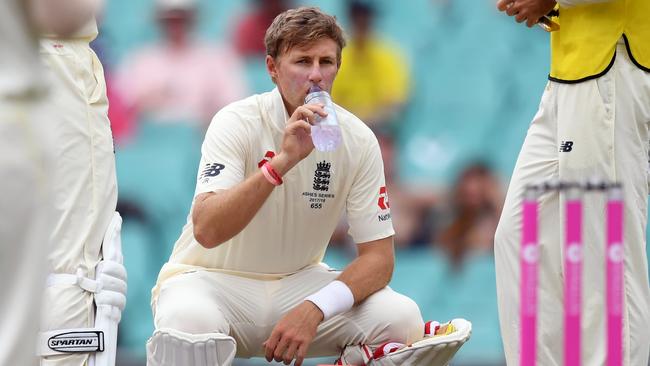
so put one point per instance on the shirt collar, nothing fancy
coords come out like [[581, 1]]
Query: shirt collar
[[276, 109]]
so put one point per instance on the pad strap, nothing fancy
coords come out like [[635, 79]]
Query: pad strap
[[78, 278]]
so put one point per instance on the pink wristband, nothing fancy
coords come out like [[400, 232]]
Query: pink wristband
[[270, 174]]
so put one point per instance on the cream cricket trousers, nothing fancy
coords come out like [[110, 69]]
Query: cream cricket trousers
[[596, 128], [248, 309], [83, 182], [24, 226]]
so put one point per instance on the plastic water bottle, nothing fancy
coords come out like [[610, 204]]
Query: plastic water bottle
[[325, 133]]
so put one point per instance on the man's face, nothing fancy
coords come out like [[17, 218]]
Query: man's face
[[176, 24], [297, 69]]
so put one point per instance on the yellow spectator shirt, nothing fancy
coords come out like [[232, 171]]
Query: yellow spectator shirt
[[371, 77]]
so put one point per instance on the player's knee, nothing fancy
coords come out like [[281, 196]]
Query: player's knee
[[400, 320], [191, 317], [406, 320]]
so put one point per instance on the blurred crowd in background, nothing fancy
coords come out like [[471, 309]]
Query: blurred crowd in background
[[448, 86]]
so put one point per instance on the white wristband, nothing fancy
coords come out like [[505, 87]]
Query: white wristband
[[333, 299]]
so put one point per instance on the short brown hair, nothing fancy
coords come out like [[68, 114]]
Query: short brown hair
[[299, 27]]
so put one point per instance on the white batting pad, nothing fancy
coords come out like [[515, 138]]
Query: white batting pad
[[169, 347]]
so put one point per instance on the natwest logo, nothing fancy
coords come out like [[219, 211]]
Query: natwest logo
[[383, 198], [267, 157]]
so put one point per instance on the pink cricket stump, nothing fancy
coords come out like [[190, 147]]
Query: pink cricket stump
[[573, 280], [614, 276], [529, 259]]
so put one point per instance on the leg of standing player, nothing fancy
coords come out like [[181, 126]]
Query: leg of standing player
[[24, 209], [84, 184], [537, 163], [608, 140]]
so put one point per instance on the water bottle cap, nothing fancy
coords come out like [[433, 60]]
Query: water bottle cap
[[315, 89]]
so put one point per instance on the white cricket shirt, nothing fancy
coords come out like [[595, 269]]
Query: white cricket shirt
[[292, 229]]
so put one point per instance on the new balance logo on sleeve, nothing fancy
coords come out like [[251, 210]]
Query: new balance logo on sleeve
[[566, 146], [211, 170]]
